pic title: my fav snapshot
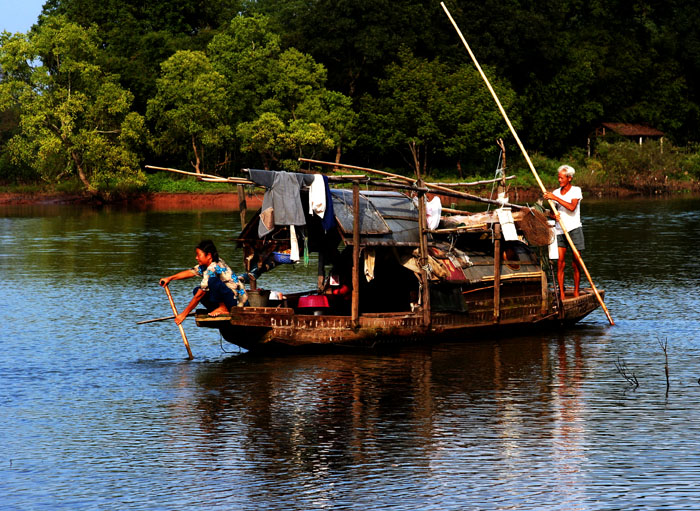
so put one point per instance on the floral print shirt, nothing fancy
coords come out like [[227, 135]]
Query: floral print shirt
[[223, 272]]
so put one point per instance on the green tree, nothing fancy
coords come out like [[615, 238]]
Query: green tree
[[334, 112], [424, 111], [244, 52], [355, 39], [138, 36], [190, 106], [264, 136], [469, 118], [293, 112], [406, 114], [74, 118]]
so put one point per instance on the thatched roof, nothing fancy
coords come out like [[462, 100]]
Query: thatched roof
[[629, 130]]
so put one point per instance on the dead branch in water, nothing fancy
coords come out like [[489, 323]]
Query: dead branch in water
[[622, 369], [664, 347]]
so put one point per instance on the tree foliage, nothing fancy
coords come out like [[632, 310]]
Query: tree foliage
[[190, 106], [264, 81], [425, 110], [74, 118]]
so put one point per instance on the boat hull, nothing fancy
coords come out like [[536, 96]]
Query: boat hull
[[277, 329]]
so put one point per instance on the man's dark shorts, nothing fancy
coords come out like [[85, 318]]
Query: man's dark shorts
[[576, 236]]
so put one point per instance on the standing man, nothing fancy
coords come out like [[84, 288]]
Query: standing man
[[568, 214]]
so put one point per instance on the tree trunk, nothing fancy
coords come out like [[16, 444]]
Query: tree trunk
[[196, 156], [459, 169], [416, 159], [337, 157], [81, 173]]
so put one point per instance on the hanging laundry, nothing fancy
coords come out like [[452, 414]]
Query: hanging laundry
[[328, 221], [294, 254], [317, 196], [282, 201], [369, 263], [433, 212]]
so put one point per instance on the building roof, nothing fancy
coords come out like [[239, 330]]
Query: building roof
[[632, 130]]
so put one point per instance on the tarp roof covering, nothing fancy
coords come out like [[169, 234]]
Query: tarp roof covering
[[386, 218]]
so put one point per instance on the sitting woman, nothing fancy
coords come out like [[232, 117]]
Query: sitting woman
[[220, 288]]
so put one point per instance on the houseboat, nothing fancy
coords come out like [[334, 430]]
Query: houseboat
[[393, 266]]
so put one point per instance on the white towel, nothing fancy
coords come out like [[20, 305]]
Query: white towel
[[433, 211], [294, 252], [317, 196]]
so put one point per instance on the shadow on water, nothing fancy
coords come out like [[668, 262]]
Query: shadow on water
[[330, 412]]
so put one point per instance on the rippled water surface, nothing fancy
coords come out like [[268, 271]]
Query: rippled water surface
[[99, 413]]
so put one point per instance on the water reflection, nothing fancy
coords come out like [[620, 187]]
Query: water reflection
[[496, 407]]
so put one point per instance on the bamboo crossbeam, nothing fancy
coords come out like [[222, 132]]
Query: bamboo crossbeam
[[442, 189], [363, 169], [463, 228], [447, 193], [185, 172], [576, 253], [229, 180], [454, 211], [474, 183]]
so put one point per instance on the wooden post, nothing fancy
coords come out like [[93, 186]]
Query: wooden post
[[575, 252], [321, 270], [356, 255], [423, 258], [496, 273], [545, 293], [182, 330], [242, 205]]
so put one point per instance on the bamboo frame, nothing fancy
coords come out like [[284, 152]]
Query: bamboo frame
[[496, 273]]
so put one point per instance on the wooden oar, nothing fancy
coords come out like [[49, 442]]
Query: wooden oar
[[165, 318], [576, 253], [182, 330]]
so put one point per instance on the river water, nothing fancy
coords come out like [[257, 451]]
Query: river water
[[100, 413]]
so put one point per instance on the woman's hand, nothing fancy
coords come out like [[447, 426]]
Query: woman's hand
[[164, 282]]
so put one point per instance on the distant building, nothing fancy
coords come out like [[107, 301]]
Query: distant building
[[637, 132]]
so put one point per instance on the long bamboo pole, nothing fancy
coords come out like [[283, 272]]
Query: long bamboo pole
[[205, 177], [182, 330], [576, 253]]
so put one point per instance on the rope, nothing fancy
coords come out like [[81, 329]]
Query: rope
[[221, 345]]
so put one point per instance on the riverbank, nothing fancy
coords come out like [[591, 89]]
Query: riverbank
[[224, 200], [146, 201]]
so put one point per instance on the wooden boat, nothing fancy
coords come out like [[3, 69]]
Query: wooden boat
[[398, 281]]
